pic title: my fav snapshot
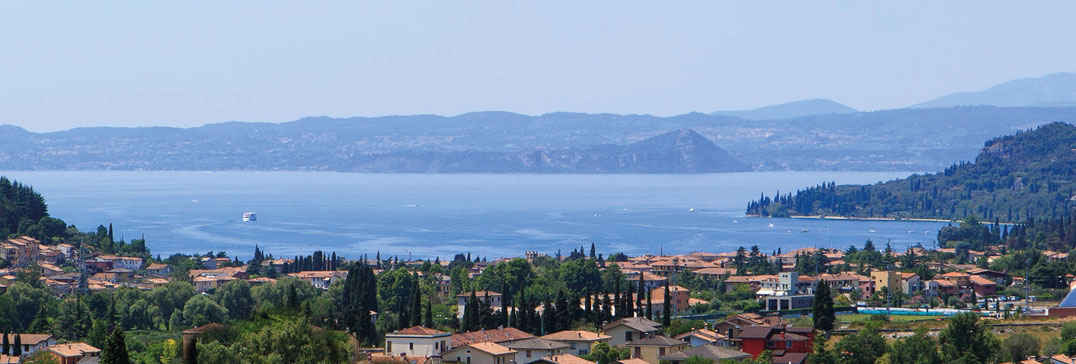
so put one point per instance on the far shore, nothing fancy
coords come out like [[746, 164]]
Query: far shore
[[829, 217]]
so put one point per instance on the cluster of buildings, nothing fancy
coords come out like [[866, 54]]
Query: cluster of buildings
[[739, 337], [36, 344]]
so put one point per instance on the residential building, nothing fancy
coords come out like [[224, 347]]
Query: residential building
[[74, 353], [528, 350], [159, 269], [626, 330], [756, 339], [20, 251], [700, 337], [562, 359], [320, 279], [502, 336], [132, 263], [709, 351], [417, 341], [652, 348], [886, 279], [494, 299], [481, 353], [579, 342], [31, 343], [983, 286]]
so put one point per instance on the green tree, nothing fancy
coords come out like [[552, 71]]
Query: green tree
[[1019, 346], [201, 310], [695, 359], [822, 312], [115, 350], [666, 315], [40, 357], [235, 296], [863, 347], [916, 349], [967, 336]]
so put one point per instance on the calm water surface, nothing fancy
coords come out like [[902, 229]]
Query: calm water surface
[[427, 215]]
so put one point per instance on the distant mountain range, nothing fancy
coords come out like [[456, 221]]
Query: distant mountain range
[[1052, 90], [807, 135], [790, 110]]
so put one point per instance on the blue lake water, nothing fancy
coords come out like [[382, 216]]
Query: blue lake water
[[427, 215]]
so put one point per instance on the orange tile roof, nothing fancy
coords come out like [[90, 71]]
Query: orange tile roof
[[497, 336], [576, 335], [73, 349], [419, 331], [567, 359], [491, 348]]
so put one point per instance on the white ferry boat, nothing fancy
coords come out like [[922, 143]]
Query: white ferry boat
[[250, 216]]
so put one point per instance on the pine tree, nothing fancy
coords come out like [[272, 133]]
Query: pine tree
[[115, 350], [666, 314]]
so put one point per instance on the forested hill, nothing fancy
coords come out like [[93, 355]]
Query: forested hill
[[1029, 174]]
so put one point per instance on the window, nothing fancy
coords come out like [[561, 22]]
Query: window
[[388, 347], [730, 335], [788, 344], [468, 360], [769, 344], [528, 353], [638, 352], [410, 346], [627, 336], [661, 351]]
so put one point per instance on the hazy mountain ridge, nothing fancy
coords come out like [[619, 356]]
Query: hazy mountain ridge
[[790, 110], [904, 139], [1052, 90]]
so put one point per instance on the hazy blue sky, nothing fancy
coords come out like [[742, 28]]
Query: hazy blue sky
[[188, 63]]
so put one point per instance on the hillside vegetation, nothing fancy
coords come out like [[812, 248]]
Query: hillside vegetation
[[1014, 178]]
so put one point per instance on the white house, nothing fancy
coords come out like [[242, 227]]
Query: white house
[[417, 341]]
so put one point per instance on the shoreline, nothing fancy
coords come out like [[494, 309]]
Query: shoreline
[[852, 218]]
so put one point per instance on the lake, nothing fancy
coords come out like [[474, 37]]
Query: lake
[[428, 215]]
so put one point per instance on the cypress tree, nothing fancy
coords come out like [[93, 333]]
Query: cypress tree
[[617, 304], [7, 346], [649, 307], [115, 350], [586, 306], [429, 314], [17, 350], [504, 303], [416, 301], [666, 314], [639, 297], [549, 316], [823, 315], [629, 304]]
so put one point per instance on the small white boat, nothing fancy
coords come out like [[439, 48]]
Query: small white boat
[[805, 231], [691, 209], [771, 224], [250, 216]]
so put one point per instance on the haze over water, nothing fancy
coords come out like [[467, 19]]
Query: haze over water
[[428, 215]]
